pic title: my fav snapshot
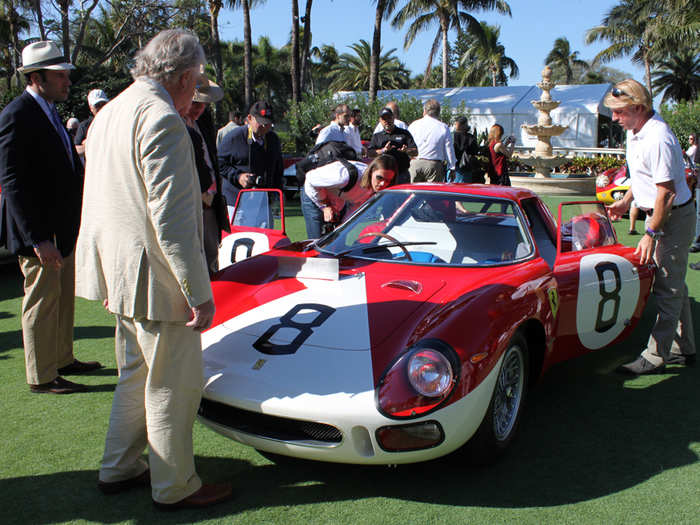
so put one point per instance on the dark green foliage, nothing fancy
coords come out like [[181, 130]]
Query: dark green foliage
[[684, 118]]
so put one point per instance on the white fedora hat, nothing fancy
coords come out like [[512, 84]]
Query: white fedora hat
[[207, 91], [43, 55]]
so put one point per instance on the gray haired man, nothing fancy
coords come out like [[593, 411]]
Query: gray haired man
[[140, 251]]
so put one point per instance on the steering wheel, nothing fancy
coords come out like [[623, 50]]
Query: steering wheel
[[392, 239]]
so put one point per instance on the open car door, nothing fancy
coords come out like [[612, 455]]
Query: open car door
[[257, 226], [602, 287]]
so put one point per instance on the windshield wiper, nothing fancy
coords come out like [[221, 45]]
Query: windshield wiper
[[377, 247]]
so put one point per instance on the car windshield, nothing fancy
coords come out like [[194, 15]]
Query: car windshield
[[432, 228]]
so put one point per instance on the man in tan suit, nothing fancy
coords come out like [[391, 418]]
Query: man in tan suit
[[140, 251]]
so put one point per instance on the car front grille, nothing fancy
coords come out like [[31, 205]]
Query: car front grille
[[273, 427]]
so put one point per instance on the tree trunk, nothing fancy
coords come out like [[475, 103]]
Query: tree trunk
[[64, 6], [247, 45], [12, 15], [214, 8], [376, 50], [445, 58], [81, 31], [39, 18], [647, 74], [306, 46], [295, 51]]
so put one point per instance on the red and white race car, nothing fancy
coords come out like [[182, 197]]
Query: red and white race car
[[416, 327], [257, 226]]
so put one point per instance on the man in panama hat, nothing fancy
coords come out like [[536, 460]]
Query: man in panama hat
[[41, 179]]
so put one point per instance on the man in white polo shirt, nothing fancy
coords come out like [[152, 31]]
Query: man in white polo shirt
[[658, 186], [434, 142]]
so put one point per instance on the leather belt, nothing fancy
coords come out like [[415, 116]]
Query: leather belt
[[650, 211]]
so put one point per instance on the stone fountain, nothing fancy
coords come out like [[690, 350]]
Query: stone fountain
[[543, 160]]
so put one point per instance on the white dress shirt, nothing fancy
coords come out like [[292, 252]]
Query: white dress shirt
[[653, 156], [333, 131], [323, 185], [434, 140], [352, 137]]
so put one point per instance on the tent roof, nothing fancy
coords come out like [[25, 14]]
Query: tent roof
[[583, 98]]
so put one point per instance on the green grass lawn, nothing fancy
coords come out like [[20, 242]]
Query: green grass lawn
[[594, 448]]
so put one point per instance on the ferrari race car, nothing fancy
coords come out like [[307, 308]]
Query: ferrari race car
[[416, 327], [257, 226], [612, 184]]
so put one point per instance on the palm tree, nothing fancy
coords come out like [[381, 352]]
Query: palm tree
[[485, 59], [326, 59], [246, 5], [561, 59], [305, 45], [679, 76], [352, 71], [214, 9], [448, 15], [294, 69], [383, 11], [647, 30]]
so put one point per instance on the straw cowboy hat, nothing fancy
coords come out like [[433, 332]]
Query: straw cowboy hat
[[43, 55], [207, 92]]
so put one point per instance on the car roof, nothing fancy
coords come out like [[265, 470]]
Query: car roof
[[484, 190]]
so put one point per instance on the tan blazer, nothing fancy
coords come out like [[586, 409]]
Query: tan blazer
[[140, 242]]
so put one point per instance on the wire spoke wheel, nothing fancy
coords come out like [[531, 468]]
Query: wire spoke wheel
[[508, 394]]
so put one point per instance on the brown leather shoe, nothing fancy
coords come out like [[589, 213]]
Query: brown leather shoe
[[116, 487], [204, 497], [79, 367], [57, 386]]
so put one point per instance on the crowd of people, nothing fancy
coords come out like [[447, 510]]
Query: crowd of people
[[128, 208]]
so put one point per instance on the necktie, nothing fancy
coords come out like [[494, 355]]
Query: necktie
[[61, 133]]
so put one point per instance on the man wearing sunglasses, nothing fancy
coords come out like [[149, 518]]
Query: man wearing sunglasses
[[658, 186]]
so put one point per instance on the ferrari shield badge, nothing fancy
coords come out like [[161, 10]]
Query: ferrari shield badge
[[259, 364], [553, 300]]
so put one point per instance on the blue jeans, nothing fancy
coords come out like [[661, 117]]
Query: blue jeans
[[313, 216]]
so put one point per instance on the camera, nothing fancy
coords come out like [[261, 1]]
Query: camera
[[256, 180]]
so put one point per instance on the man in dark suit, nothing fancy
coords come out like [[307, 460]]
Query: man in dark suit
[[41, 179]]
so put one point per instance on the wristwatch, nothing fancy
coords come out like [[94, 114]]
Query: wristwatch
[[654, 234]]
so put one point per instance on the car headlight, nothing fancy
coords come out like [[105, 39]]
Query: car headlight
[[429, 372], [418, 381], [602, 180]]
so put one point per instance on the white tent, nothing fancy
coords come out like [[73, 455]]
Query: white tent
[[509, 106]]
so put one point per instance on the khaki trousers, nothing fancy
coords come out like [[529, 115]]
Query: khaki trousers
[[423, 170], [155, 403], [47, 317], [673, 330]]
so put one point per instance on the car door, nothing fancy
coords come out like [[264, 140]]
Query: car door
[[257, 226], [602, 287]]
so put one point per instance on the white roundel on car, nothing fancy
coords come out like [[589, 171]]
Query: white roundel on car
[[608, 292], [239, 246]]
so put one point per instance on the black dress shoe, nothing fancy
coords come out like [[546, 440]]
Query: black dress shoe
[[79, 367], [57, 386], [116, 487], [633, 232], [695, 266], [694, 248], [640, 367], [206, 496]]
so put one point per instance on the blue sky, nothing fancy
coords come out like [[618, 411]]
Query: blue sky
[[528, 35]]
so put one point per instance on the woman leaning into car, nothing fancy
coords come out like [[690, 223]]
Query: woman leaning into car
[[333, 190]]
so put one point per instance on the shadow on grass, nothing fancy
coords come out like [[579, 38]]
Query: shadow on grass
[[93, 332], [10, 281]]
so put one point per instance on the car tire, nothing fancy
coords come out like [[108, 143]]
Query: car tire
[[500, 424]]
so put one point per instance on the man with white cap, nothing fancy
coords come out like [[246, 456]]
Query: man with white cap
[[658, 186], [96, 101], [41, 179]]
